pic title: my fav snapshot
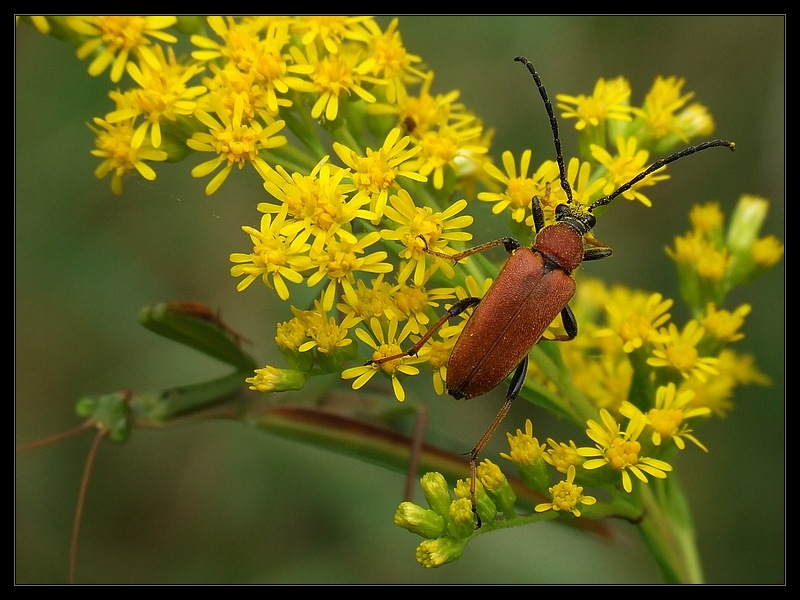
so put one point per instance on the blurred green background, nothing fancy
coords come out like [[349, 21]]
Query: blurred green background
[[222, 502]]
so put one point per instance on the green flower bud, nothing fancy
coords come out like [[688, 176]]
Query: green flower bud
[[422, 521], [743, 243], [437, 493], [497, 486], [462, 520], [485, 505], [271, 379], [435, 553]]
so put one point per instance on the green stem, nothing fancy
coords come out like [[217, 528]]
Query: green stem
[[164, 408], [305, 130], [668, 533], [290, 158], [573, 403], [344, 136]]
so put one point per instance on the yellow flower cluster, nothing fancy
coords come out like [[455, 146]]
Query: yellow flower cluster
[[368, 177]]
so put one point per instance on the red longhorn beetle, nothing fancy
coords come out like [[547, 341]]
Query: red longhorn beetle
[[533, 288]]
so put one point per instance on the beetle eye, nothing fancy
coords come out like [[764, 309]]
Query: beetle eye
[[562, 210], [591, 221]]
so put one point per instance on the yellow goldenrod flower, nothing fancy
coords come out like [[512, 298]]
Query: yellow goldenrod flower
[[692, 122], [583, 188], [275, 256], [562, 456], [341, 259], [327, 336], [717, 393], [330, 31], [605, 379], [628, 163], [485, 505], [767, 251], [409, 305], [527, 454], [437, 493], [162, 95], [668, 417], [234, 141], [113, 39], [620, 449], [384, 345], [634, 317], [519, 188], [424, 112], [419, 227], [441, 148], [751, 255], [608, 101], [390, 61], [319, 204], [677, 350], [707, 219], [567, 496], [240, 39], [367, 301], [115, 146], [292, 334], [438, 356], [376, 173], [724, 325], [256, 64], [332, 78], [660, 105]]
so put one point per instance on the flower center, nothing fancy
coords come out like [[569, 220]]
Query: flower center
[[622, 454]]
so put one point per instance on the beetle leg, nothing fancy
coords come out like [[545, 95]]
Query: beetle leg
[[509, 243], [538, 212], [514, 388], [596, 253], [570, 325], [453, 311]]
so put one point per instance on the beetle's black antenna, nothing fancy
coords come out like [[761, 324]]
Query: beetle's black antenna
[[553, 126], [657, 165]]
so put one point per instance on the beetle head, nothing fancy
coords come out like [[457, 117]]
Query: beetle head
[[577, 215]]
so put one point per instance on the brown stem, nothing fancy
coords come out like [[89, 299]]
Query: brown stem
[[76, 525]]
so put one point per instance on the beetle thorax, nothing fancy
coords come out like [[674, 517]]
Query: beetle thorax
[[562, 244]]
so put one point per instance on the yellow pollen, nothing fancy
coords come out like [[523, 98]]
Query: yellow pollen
[[621, 454], [333, 76], [521, 191], [683, 358], [440, 147], [635, 327], [122, 32], [273, 257], [439, 355], [238, 147], [712, 266], [385, 350], [566, 496], [342, 264], [665, 421], [270, 67]]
